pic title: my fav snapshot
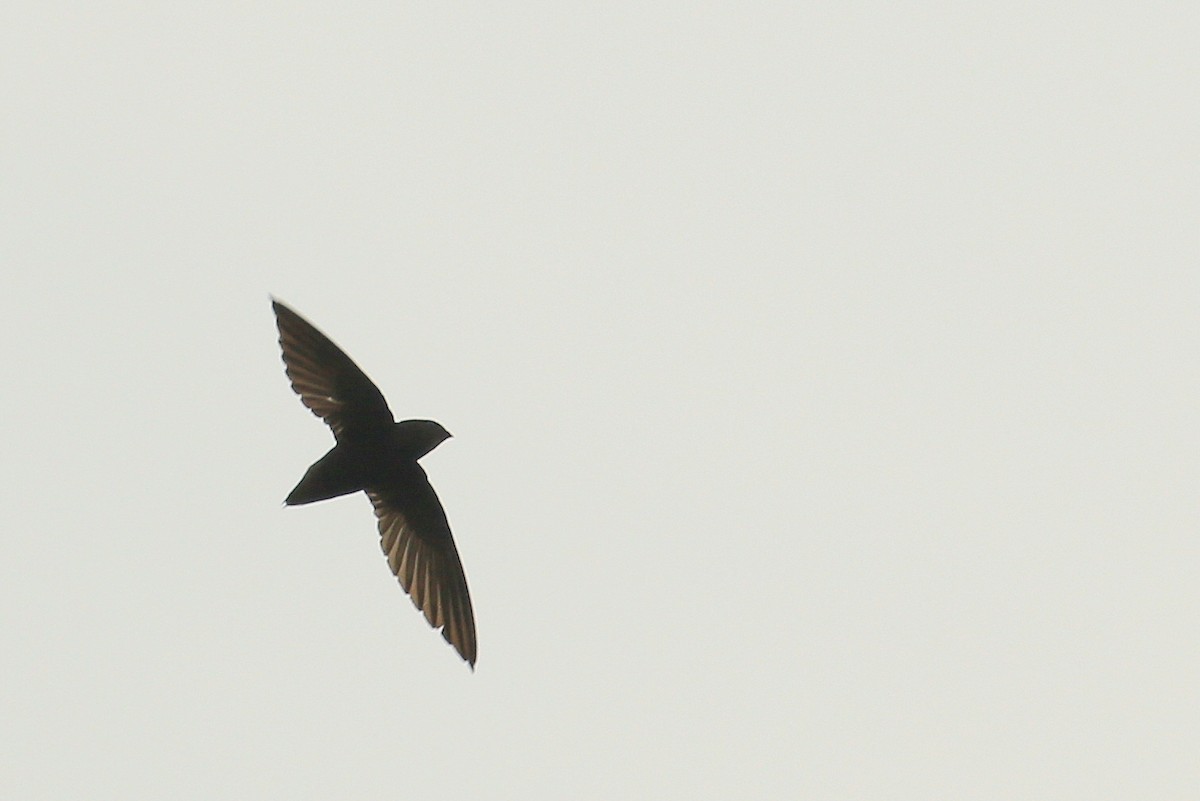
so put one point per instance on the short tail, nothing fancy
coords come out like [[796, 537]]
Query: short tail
[[329, 477]]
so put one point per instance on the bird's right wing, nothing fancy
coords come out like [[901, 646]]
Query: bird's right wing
[[326, 379]]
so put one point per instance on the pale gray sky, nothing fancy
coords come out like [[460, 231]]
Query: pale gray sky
[[823, 383]]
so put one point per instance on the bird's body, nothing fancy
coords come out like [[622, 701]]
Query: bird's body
[[376, 455], [358, 463]]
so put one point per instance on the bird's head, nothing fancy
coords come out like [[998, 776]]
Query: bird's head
[[419, 437]]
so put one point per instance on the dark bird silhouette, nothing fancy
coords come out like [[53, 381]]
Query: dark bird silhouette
[[377, 455]]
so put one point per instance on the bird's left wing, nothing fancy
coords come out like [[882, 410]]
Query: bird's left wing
[[420, 550]]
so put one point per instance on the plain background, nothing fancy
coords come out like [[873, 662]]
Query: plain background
[[823, 380]]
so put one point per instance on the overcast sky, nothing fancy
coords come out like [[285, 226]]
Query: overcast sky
[[823, 384]]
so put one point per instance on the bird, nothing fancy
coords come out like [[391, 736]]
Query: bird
[[373, 453]]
